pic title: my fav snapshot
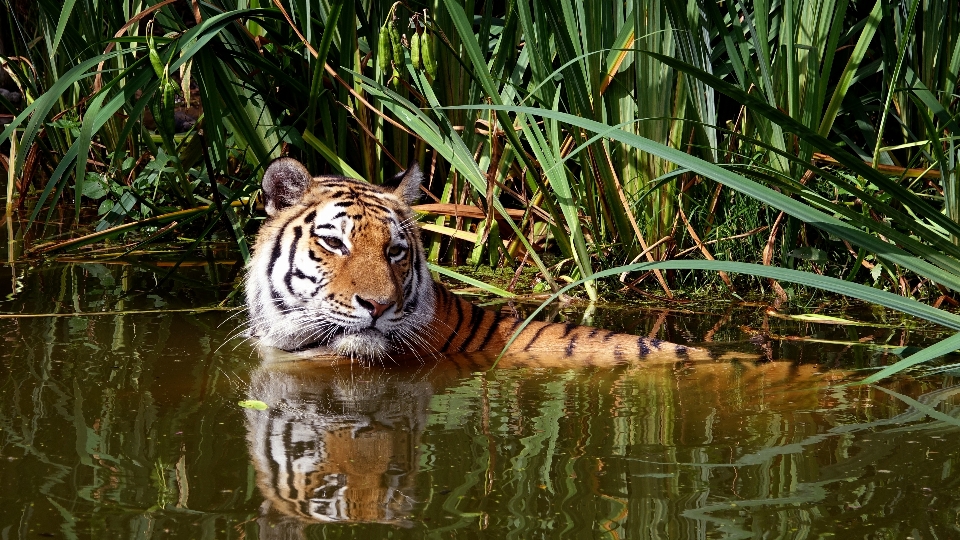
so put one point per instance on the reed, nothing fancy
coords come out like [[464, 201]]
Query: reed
[[802, 134]]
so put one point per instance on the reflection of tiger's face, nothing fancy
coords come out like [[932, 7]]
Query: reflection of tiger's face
[[338, 264], [328, 450]]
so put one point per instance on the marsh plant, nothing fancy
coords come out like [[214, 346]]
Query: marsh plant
[[802, 141]]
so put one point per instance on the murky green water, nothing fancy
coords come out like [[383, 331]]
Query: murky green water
[[128, 426]]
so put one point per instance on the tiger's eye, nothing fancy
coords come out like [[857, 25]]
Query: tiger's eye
[[332, 242], [395, 251]]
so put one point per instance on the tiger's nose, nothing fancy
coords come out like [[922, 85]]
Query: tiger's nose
[[375, 308]]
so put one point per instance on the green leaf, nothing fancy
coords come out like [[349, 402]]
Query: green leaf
[[254, 404], [853, 63], [94, 187]]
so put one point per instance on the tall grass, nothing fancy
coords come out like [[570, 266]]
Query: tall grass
[[815, 135]]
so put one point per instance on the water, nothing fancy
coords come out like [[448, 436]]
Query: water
[[127, 425]]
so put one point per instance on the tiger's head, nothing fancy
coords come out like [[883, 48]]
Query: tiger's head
[[338, 265]]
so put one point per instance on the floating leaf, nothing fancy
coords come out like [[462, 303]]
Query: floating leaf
[[814, 318], [254, 404]]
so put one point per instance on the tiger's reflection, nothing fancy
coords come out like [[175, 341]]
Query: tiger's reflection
[[336, 445]]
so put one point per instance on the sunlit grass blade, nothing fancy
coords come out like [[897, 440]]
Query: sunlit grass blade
[[470, 281]]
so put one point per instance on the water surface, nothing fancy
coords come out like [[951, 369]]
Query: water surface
[[124, 423]]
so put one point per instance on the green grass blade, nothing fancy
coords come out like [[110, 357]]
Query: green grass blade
[[62, 24], [331, 157], [901, 53], [470, 281], [853, 64], [83, 145], [936, 350]]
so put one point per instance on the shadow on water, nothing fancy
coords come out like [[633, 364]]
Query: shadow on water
[[127, 425]]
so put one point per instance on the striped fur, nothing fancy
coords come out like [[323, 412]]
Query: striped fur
[[338, 267], [331, 449]]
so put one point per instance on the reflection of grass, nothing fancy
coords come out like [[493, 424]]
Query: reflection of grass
[[113, 413], [109, 313]]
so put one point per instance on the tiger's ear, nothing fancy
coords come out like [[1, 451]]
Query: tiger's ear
[[409, 189], [284, 182]]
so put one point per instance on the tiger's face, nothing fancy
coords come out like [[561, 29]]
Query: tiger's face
[[338, 265]]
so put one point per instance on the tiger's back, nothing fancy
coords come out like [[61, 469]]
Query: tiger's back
[[339, 268]]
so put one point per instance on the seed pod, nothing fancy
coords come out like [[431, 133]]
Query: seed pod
[[395, 80], [384, 48], [426, 51], [415, 51], [395, 42], [156, 61], [169, 104]]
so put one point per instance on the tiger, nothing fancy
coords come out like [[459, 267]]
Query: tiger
[[338, 269]]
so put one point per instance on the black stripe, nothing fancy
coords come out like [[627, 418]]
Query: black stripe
[[642, 345], [299, 274], [456, 326], [477, 314], [310, 216], [268, 448], [287, 445], [569, 327], [609, 335], [374, 206], [288, 277], [536, 336], [412, 304], [325, 226], [593, 333], [570, 346], [343, 204], [618, 354], [493, 327], [408, 289], [275, 254]]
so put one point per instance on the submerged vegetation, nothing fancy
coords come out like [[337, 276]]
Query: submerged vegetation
[[797, 135]]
